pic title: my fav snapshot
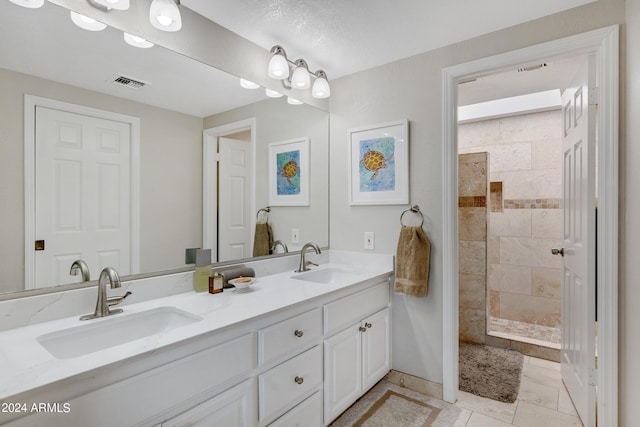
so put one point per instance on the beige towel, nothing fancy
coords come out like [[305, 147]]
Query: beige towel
[[263, 239], [412, 262]]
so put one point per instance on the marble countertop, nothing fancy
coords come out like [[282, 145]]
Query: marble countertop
[[26, 365]]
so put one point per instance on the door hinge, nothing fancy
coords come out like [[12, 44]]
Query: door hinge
[[594, 96], [593, 376], [217, 157]]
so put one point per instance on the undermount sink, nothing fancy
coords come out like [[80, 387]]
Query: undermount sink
[[103, 333], [327, 275]]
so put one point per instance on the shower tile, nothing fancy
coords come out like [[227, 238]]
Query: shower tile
[[493, 250], [546, 282], [473, 179], [472, 257], [477, 134], [531, 127], [472, 223], [510, 278], [546, 154], [530, 309], [472, 324], [531, 252], [472, 291], [546, 223], [494, 303], [533, 184], [510, 222]]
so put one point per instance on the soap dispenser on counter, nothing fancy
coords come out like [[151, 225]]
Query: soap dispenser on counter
[[203, 270]]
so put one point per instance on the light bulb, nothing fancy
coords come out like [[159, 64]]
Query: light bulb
[[272, 93], [278, 67], [31, 4], [248, 84], [165, 15], [300, 78], [293, 101], [321, 88], [136, 41], [86, 23]]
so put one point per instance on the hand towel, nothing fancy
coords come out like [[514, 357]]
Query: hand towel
[[412, 262], [263, 239]]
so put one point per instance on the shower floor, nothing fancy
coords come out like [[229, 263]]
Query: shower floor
[[525, 332]]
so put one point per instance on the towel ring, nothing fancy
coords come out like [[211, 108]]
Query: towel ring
[[266, 210], [415, 209]]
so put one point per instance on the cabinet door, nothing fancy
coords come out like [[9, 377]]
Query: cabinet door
[[376, 348], [342, 371], [235, 407]]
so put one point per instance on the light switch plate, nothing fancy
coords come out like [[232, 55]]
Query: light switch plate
[[295, 235], [369, 240]]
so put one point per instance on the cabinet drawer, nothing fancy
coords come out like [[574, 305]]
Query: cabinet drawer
[[306, 414], [348, 310], [283, 386], [289, 336]]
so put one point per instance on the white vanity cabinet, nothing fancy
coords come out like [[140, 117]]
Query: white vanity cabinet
[[360, 354], [294, 346]]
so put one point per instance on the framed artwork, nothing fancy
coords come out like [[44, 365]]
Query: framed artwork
[[289, 173], [379, 164]]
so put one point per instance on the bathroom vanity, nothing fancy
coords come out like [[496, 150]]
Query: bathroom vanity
[[296, 350]]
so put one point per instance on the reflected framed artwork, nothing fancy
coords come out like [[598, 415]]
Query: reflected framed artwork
[[289, 173], [379, 164]]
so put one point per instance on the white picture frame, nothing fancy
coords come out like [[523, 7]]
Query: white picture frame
[[289, 172], [378, 157]]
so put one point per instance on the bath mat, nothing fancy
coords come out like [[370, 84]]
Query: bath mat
[[490, 372], [387, 405]]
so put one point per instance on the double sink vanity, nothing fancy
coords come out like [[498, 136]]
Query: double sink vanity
[[298, 349]]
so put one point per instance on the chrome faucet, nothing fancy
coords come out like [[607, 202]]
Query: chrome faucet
[[280, 243], [304, 264], [102, 305], [79, 266]]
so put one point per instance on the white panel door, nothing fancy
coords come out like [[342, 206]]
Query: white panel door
[[342, 371], [376, 348], [578, 283], [82, 203], [234, 199]]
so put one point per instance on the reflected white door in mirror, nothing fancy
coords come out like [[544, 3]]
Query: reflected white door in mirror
[[81, 192]]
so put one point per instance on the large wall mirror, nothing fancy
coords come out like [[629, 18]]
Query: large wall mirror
[[50, 68]]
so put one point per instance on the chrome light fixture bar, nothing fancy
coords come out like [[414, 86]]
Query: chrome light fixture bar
[[296, 75]]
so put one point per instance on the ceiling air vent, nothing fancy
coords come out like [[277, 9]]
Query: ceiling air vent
[[532, 67], [130, 82]]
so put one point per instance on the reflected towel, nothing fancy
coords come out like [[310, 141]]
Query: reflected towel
[[412, 262], [263, 239]]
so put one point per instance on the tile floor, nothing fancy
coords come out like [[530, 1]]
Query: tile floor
[[542, 401], [533, 334]]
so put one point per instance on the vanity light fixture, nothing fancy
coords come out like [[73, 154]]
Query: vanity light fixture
[[293, 101], [165, 15], [248, 84], [113, 4], [86, 23], [31, 4], [136, 41], [272, 93], [280, 68]]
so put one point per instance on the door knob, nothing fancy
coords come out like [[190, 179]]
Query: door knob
[[558, 251]]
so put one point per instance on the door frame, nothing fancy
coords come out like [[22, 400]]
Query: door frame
[[604, 43], [210, 179], [30, 104]]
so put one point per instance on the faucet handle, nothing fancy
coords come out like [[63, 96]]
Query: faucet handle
[[117, 300]]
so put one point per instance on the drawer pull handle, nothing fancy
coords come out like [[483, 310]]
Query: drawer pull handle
[[368, 325], [299, 380], [298, 333], [362, 329]]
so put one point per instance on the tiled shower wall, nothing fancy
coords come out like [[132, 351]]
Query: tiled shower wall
[[473, 194], [524, 218]]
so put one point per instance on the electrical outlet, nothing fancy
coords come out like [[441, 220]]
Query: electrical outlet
[[295, 235], [369, 242]]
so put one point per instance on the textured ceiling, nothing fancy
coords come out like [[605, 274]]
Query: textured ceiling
[[346, 36]]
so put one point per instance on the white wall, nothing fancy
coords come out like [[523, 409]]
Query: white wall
[[411, 89]]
